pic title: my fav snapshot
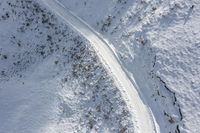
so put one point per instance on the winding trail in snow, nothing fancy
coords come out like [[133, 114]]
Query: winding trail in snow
[[143, 119]]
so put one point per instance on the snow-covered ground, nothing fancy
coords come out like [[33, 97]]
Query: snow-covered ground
[[51, 80], [158, 42], [143, 119]]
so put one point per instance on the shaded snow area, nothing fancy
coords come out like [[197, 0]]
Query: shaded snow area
[[158, 43], [51, 81]]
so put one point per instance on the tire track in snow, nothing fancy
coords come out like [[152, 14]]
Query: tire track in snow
[[143, 118]]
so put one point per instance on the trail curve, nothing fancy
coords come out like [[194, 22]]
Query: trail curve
[[143, 118]]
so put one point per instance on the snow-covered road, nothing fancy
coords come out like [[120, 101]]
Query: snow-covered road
[[142, 117]]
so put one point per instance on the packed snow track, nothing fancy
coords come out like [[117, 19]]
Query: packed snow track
[[142, 116]]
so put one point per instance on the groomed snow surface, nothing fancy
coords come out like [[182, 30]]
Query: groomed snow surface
[[55, 78]]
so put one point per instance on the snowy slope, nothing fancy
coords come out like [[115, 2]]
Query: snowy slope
[[51, 79], [142, 116], [158, 43]]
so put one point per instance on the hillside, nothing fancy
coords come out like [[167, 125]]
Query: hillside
[[158, 43], [56, 75]]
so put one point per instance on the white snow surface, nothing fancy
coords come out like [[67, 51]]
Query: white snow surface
[[143, 120], [157, 41], [51, 80]]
